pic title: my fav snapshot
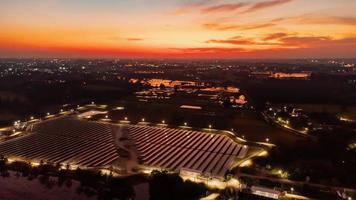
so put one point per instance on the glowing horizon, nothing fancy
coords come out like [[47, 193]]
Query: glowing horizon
[[178, 28]]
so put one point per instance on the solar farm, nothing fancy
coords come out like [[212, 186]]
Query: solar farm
[[77, 142]]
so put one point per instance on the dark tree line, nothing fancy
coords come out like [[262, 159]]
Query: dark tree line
[[164, 185]]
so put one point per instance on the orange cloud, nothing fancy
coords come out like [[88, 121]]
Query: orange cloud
[[224, 7], [318, 20], [329, 20], [224, 27], [275, 36], [284, 40], [234, 41], [230, 7], [266, 4], [134, 39]]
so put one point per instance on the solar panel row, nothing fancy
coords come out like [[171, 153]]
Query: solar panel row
[[175, 149], [65, 140]]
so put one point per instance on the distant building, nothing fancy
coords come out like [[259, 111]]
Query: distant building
[[265, 192], [191, 107], [299, 75]]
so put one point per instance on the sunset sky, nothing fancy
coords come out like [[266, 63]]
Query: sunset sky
[[178, 28]]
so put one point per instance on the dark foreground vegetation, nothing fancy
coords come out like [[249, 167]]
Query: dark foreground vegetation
[[92, 183], [162, 185]]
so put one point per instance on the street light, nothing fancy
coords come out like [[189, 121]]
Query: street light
[[185, 123], [210, 126], [163, 122], [267, 139], [143, 119], [125, 118]]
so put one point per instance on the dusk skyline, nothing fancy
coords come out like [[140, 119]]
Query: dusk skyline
[[178, 29]]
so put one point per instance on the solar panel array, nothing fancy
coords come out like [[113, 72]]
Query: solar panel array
[[66, 140], [175, 149]]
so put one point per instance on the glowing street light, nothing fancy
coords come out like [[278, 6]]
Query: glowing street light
[[163, 122], [210, 126], [125, 118], [31, 117], [185, 123], [92, 103], [106, 116], [267, 139], [143, 119], [48, 114]]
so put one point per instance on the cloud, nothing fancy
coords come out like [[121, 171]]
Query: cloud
[[224, 27], [266, 4], [233, 41], [209, 50], [189, 7], [317, 20], [329, 20], [134, 39], [223, 8], [275, 36], [290, 46], [238, 40], [227, 7], [257, 26], [285, 41], [299, 41]]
